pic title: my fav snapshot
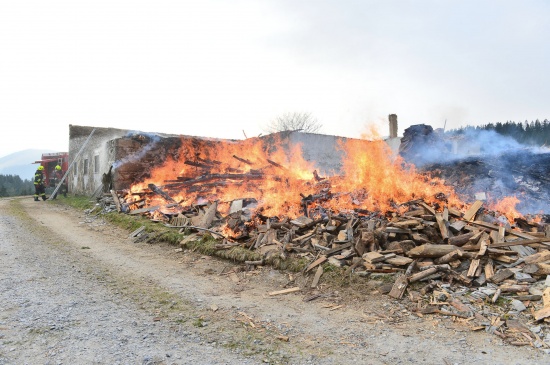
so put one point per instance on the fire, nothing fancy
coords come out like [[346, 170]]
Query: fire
[[386, 179], [507, 206], [279, 178]]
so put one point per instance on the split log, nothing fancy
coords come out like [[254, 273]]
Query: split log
[[543, 269], [514, 288], [429, 250], [537, 258], [445, 259], [442, 223], [472, 211], [542, 313], [489, 269], [423, 274], [474, 264], [502, 275], [399, 287], [460, 240], [317, 277]]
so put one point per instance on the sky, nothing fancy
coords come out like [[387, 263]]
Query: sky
[[225, 69]]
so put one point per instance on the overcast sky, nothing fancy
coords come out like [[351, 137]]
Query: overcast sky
[[218, 68]]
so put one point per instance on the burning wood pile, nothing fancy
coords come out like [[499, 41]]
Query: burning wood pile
[[378, 217]]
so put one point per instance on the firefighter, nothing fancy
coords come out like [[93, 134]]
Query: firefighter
[[57, 176], [39, 188]]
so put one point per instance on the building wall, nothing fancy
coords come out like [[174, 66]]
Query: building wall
[[88, 167]]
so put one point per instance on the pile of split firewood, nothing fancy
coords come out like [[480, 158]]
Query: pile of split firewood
[[447, 261]]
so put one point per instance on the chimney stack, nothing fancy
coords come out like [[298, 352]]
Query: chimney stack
[[393, 125]]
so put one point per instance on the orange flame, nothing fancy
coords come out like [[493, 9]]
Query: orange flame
[[276, 174], [507, 206]]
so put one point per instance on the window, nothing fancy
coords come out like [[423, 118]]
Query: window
[[75, 169], [86, 167], [96, 164]]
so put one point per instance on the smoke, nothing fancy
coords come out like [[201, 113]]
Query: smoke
[[148, 141], [476, 161], [422, 147]]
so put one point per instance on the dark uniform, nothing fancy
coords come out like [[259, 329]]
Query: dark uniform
[[57, 175], [39, 188]]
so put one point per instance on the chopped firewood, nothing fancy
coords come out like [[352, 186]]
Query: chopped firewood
[[501, 275], [414, 213], [457, 226], [537, 258], [399, 287], [460, 240], [397, 230], [445, 259], [514, 288], [315, 263], [546, 297], [301, 221], [489, 269], [474, 264], [543, 269], [373, 257], [428, 208], [504, 258], [285, 291], [430, 250], [542, 313], [317, 276], [496, 295], [428, 272], [442, 223], [472, 211], [398, 260]]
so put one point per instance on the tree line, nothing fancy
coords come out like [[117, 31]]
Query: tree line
[[13, 185], [532, 133]]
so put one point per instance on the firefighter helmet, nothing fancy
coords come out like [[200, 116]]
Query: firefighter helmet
[[40, 167], [58, 167]]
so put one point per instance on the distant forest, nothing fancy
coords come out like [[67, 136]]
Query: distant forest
[[12, 185], [532, 133]]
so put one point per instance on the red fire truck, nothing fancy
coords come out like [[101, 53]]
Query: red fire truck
[[49, 161]]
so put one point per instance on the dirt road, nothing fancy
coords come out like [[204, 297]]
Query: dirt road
[[76, 290]]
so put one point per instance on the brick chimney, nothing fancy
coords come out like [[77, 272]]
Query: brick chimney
[[393, 125]]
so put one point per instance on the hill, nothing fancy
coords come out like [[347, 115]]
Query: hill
[[21, 163]]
